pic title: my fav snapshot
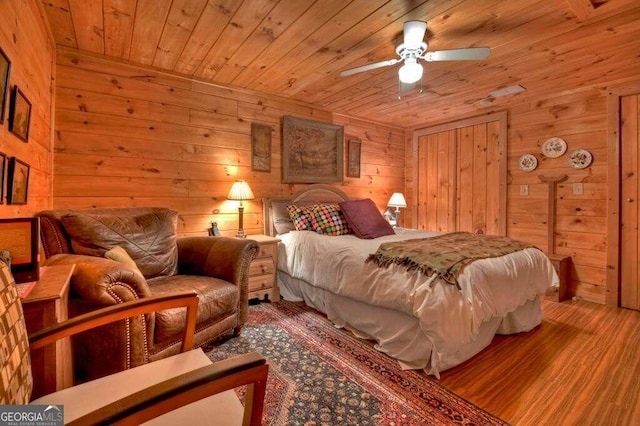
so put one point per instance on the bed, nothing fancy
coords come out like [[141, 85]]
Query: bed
[[415, 317]]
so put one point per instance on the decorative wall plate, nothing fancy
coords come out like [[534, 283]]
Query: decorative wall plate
[[554, 147], [528, 163], [580, 159]]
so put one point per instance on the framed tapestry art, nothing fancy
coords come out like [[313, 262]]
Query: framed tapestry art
[[19, 114], [5, 68], [260, 147], [17, 182], [353, 161], [312, 151]]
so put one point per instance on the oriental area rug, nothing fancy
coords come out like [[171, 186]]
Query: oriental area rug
[[321, 375]]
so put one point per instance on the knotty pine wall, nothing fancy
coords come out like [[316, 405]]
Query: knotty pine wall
[[580, 119], [26, 40], [131, 136]]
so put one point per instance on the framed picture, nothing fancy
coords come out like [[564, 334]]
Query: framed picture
[[312, 151], [17, 182], [5, 68], [260, 147], [19, 114], [3, 170], [353, 158]]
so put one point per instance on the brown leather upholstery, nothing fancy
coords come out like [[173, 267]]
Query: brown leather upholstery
[[216, 268]]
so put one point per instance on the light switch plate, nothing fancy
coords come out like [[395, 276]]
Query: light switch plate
[[524, 189], [578, 188]]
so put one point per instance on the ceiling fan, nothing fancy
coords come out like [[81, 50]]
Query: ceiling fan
[[414, 48]]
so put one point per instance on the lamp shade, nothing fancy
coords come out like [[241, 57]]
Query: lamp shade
[[240, 191], [397, 200]]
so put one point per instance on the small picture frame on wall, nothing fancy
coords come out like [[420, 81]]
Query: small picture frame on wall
[[19, 114], [3, 170], [353, 158], [17, 182], [260, 147], [5, 69]]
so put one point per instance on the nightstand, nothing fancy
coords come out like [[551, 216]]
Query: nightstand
[[47, 305], [263, 270]]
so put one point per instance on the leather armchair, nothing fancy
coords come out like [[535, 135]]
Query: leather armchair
[[215, 268]]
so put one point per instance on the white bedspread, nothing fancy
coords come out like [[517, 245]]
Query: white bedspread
[[450, 318]]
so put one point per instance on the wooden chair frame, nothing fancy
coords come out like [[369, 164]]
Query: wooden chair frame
[[249, 369]]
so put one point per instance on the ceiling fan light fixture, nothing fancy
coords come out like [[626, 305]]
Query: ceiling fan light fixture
[[410, 72]]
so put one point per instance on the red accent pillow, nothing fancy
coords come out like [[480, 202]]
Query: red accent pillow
[[365, 219]]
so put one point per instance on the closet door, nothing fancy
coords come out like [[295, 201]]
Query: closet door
[[437, 173], [629, 194], [461, 177]]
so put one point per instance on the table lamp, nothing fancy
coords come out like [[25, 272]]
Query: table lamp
[[397, 200], [240, 191]]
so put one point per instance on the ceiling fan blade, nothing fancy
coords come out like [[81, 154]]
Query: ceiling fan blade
[[457, 54], [369, 67], [414, 33]]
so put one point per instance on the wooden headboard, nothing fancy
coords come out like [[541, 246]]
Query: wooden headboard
[[275, 209]]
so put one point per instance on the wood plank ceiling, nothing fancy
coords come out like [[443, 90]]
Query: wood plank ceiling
[[297, 48]]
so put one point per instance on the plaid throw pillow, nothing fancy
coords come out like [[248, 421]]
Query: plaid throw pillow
[[327, 219], [301, 217]]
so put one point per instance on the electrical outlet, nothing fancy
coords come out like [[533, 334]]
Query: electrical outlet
[[524, 189], [578, 188]]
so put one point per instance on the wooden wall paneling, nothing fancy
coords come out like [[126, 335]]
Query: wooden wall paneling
[[86, 101], [581, 219], [107, 83], [128, 135], [26, 39]]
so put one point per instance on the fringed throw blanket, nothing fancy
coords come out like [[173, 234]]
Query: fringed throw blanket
[[445, 255]]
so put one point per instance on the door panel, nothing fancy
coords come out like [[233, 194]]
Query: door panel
[[458, 179], [629, 238]]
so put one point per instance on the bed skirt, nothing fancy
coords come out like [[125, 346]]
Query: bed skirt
[[399, 335]]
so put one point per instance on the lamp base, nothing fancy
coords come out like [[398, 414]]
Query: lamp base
[[241, 234]]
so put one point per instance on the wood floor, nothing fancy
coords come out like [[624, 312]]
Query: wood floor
[[580, 367]]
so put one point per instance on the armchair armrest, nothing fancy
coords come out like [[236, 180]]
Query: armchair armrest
[[249, 369], [119, 312], [221, 257], [102, 281]]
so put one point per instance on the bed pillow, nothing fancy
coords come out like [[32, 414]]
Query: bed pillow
[[365, 219], [301, 217], [327, 219]]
